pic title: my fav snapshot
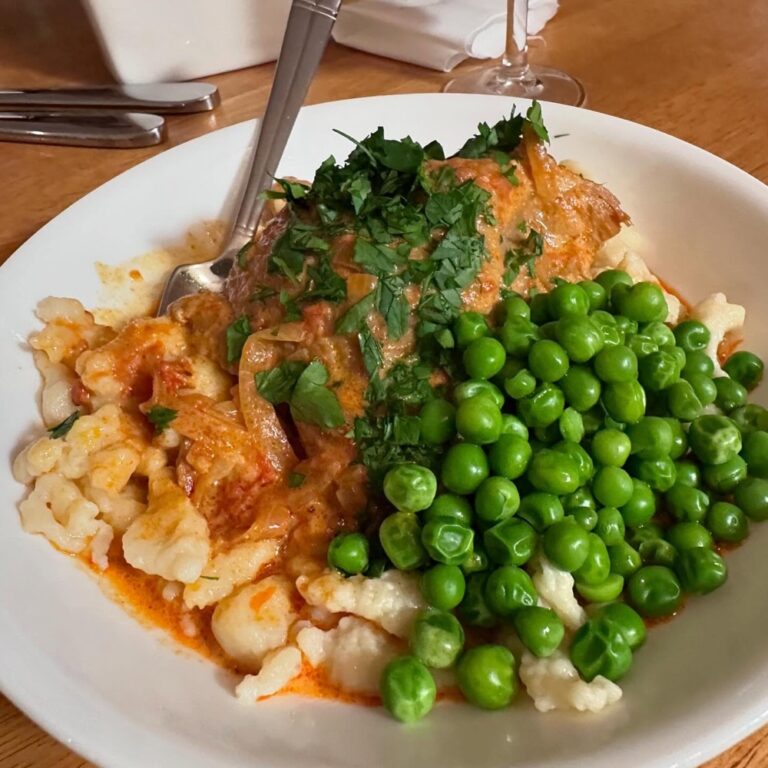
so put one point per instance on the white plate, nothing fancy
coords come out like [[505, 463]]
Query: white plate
[[120, 696]]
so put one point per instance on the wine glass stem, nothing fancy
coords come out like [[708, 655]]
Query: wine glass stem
[[515, 58]]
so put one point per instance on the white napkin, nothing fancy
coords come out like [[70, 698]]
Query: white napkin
[[433, 33]]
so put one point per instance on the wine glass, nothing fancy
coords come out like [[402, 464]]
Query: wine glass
[[515, 76]]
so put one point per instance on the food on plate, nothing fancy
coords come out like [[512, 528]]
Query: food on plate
[[444, 434]]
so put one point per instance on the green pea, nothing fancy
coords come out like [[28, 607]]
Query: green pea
[[727, 522], [553, 472], [714, 439], [437, 421], [547, 360], [508, 589], [701, 570], [611, 278], [549, 330], [605, 592], [509, 456], [540, 630], [657, 552], [571, 425], [624, 401], [510, 542], [606, 322], [584, 515], [515, 306], [465, 466], [447, 506], [684, 536], [692, 335], [627, 620], [752, 496], [437, 639], [484, 358], [755, 453], [468, 327], [658, 370], [600, 648], [597, 295], [486, 675], [580, 337], [641, 506], [698, 362], [566, 544], [517, 335], [543, 407], [447, 541], [730, 394], [750, 418], [407, 689], [473, 607], [568, 299], [475, 387], [641, 346], [376, 567], [540, 308], [659, 474], [443, 586], [511, 425], [687, 473], [746, 368], [625, 559], [496, 499], [679, 438], [643, 302], [547, 435], [704, 387], [651, 437], [586, 467], [612, 486], [660, 333], [593, 420], [686, 503], [349, 552], [522, 384], [682, 401], [400, 537], [627, 326], [654, 591], [477, 560], [610, 526], [615, 364], [723, 478], [581, 388], [541, 510], [478, 420], [610, 447], [645, 532], [596, 568]]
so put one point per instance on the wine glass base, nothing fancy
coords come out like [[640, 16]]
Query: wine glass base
[[544, 83]]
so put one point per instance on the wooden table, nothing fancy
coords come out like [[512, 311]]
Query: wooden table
[[695, 69]]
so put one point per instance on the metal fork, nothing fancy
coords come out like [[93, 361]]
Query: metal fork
[[306, 35]]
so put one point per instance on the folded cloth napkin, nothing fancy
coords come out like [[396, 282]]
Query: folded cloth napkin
[[433, 33]]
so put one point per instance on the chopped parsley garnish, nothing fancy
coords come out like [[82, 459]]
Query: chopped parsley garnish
[[534, 119], [303, 388], [296, 479], [237, 334], [292, 311], [525, 255], [260, 294], [356, 315], [63, 427], [161, 417], [292, 191], [370, 349], [242, 255]]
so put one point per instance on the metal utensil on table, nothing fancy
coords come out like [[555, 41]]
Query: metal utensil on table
[[306, 35], [163, 98], [82, 129]]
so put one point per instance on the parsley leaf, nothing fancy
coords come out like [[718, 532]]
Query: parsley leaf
[[292, 191], [242, 255], [260, 294], [296, 479], [237, 334], [290, 249], [392, 304], [534, 119], [376, 259], [276, 385], [161, 417], [63, 427], [356, 315], [312, 401], [324, 283], [525, 255], [371, 350], [292, 311]]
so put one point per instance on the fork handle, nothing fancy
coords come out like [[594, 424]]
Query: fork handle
[[307, 33]]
